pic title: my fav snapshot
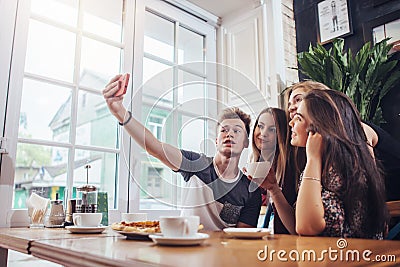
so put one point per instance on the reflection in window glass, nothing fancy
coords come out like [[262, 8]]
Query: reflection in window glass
[[95, 124], [50, 51], [103, 19], [40, 169], [45, 111], [102, 173], [64, 11], [99, 63], [159, 37]]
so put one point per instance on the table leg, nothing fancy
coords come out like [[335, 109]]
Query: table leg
[[3, 256]]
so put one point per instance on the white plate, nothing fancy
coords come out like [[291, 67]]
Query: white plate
[[85, 230], [179, 241], [247, 232]]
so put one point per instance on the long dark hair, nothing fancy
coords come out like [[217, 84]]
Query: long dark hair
[[297, 155], [335, 117], [279, 162]]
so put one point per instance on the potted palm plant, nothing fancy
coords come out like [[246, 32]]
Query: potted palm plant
[[366, 77]]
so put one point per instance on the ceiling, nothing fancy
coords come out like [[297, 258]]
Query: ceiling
[[221, 8]]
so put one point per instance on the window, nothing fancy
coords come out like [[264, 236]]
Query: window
[[388, 30], [69, 49], [173, 94], [64, 53]]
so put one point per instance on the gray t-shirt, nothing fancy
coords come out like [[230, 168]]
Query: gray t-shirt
[[219, 202]]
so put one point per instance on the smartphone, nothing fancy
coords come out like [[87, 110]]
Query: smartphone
[[124, 84]]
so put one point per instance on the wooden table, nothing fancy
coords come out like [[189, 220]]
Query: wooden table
[[111, 249]]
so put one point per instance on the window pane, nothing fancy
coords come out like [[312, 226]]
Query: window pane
[[99, 63], [191, 48], [378, 34], [64, 11], [190, 91], [104, 19], [95, 124], [39, 168], [393, 30], [159, 37], [158, 83], [102, 173], [191, 134], [45, 111], [156, 184], [50, 51]]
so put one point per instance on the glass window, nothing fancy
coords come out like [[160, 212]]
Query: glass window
[[64, 122], [158, 83], [99, 63], [192, 134], [39, 168], [50, 51], [173, 97], [191, 49], [102, 172], [63, 11], [53, 103], [191, 93], [103, 18], [159, 37], [95, 124]]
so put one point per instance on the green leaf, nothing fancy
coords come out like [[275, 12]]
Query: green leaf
[[368, 74]]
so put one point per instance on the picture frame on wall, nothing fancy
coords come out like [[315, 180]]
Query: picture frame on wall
[[334, 20]]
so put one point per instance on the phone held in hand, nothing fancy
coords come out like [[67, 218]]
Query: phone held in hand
[[124, 84]]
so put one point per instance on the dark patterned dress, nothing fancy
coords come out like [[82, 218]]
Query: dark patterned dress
[[334, 213]]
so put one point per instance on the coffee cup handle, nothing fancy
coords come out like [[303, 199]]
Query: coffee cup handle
[[186, 227], [77, 220]]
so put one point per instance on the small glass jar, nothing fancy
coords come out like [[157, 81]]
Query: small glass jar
[[56, 214]]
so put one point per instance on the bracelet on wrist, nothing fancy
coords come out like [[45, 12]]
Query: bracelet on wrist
[[311, 178], [127, 120]]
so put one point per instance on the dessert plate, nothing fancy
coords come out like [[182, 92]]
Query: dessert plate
[[134, 235], [247, 232], [85, 230], [197, 239]]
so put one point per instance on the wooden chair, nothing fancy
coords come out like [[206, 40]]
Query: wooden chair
[[394, 212]]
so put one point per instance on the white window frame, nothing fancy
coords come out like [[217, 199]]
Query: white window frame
[[17, 17], [206, 29], [14, 18]]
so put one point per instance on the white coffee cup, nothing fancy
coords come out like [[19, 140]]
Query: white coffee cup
[[258, 169], [179, 226], [87, 219], [134, 217]]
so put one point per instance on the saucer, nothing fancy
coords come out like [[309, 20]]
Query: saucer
[[85, 230], [247, 232], [179, 241]]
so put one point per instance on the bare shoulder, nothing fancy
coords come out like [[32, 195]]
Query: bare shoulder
[[372, 136]]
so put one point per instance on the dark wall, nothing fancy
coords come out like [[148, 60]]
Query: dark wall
[[364, 15]]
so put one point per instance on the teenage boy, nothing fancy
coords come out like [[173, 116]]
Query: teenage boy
[[217, 190]]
